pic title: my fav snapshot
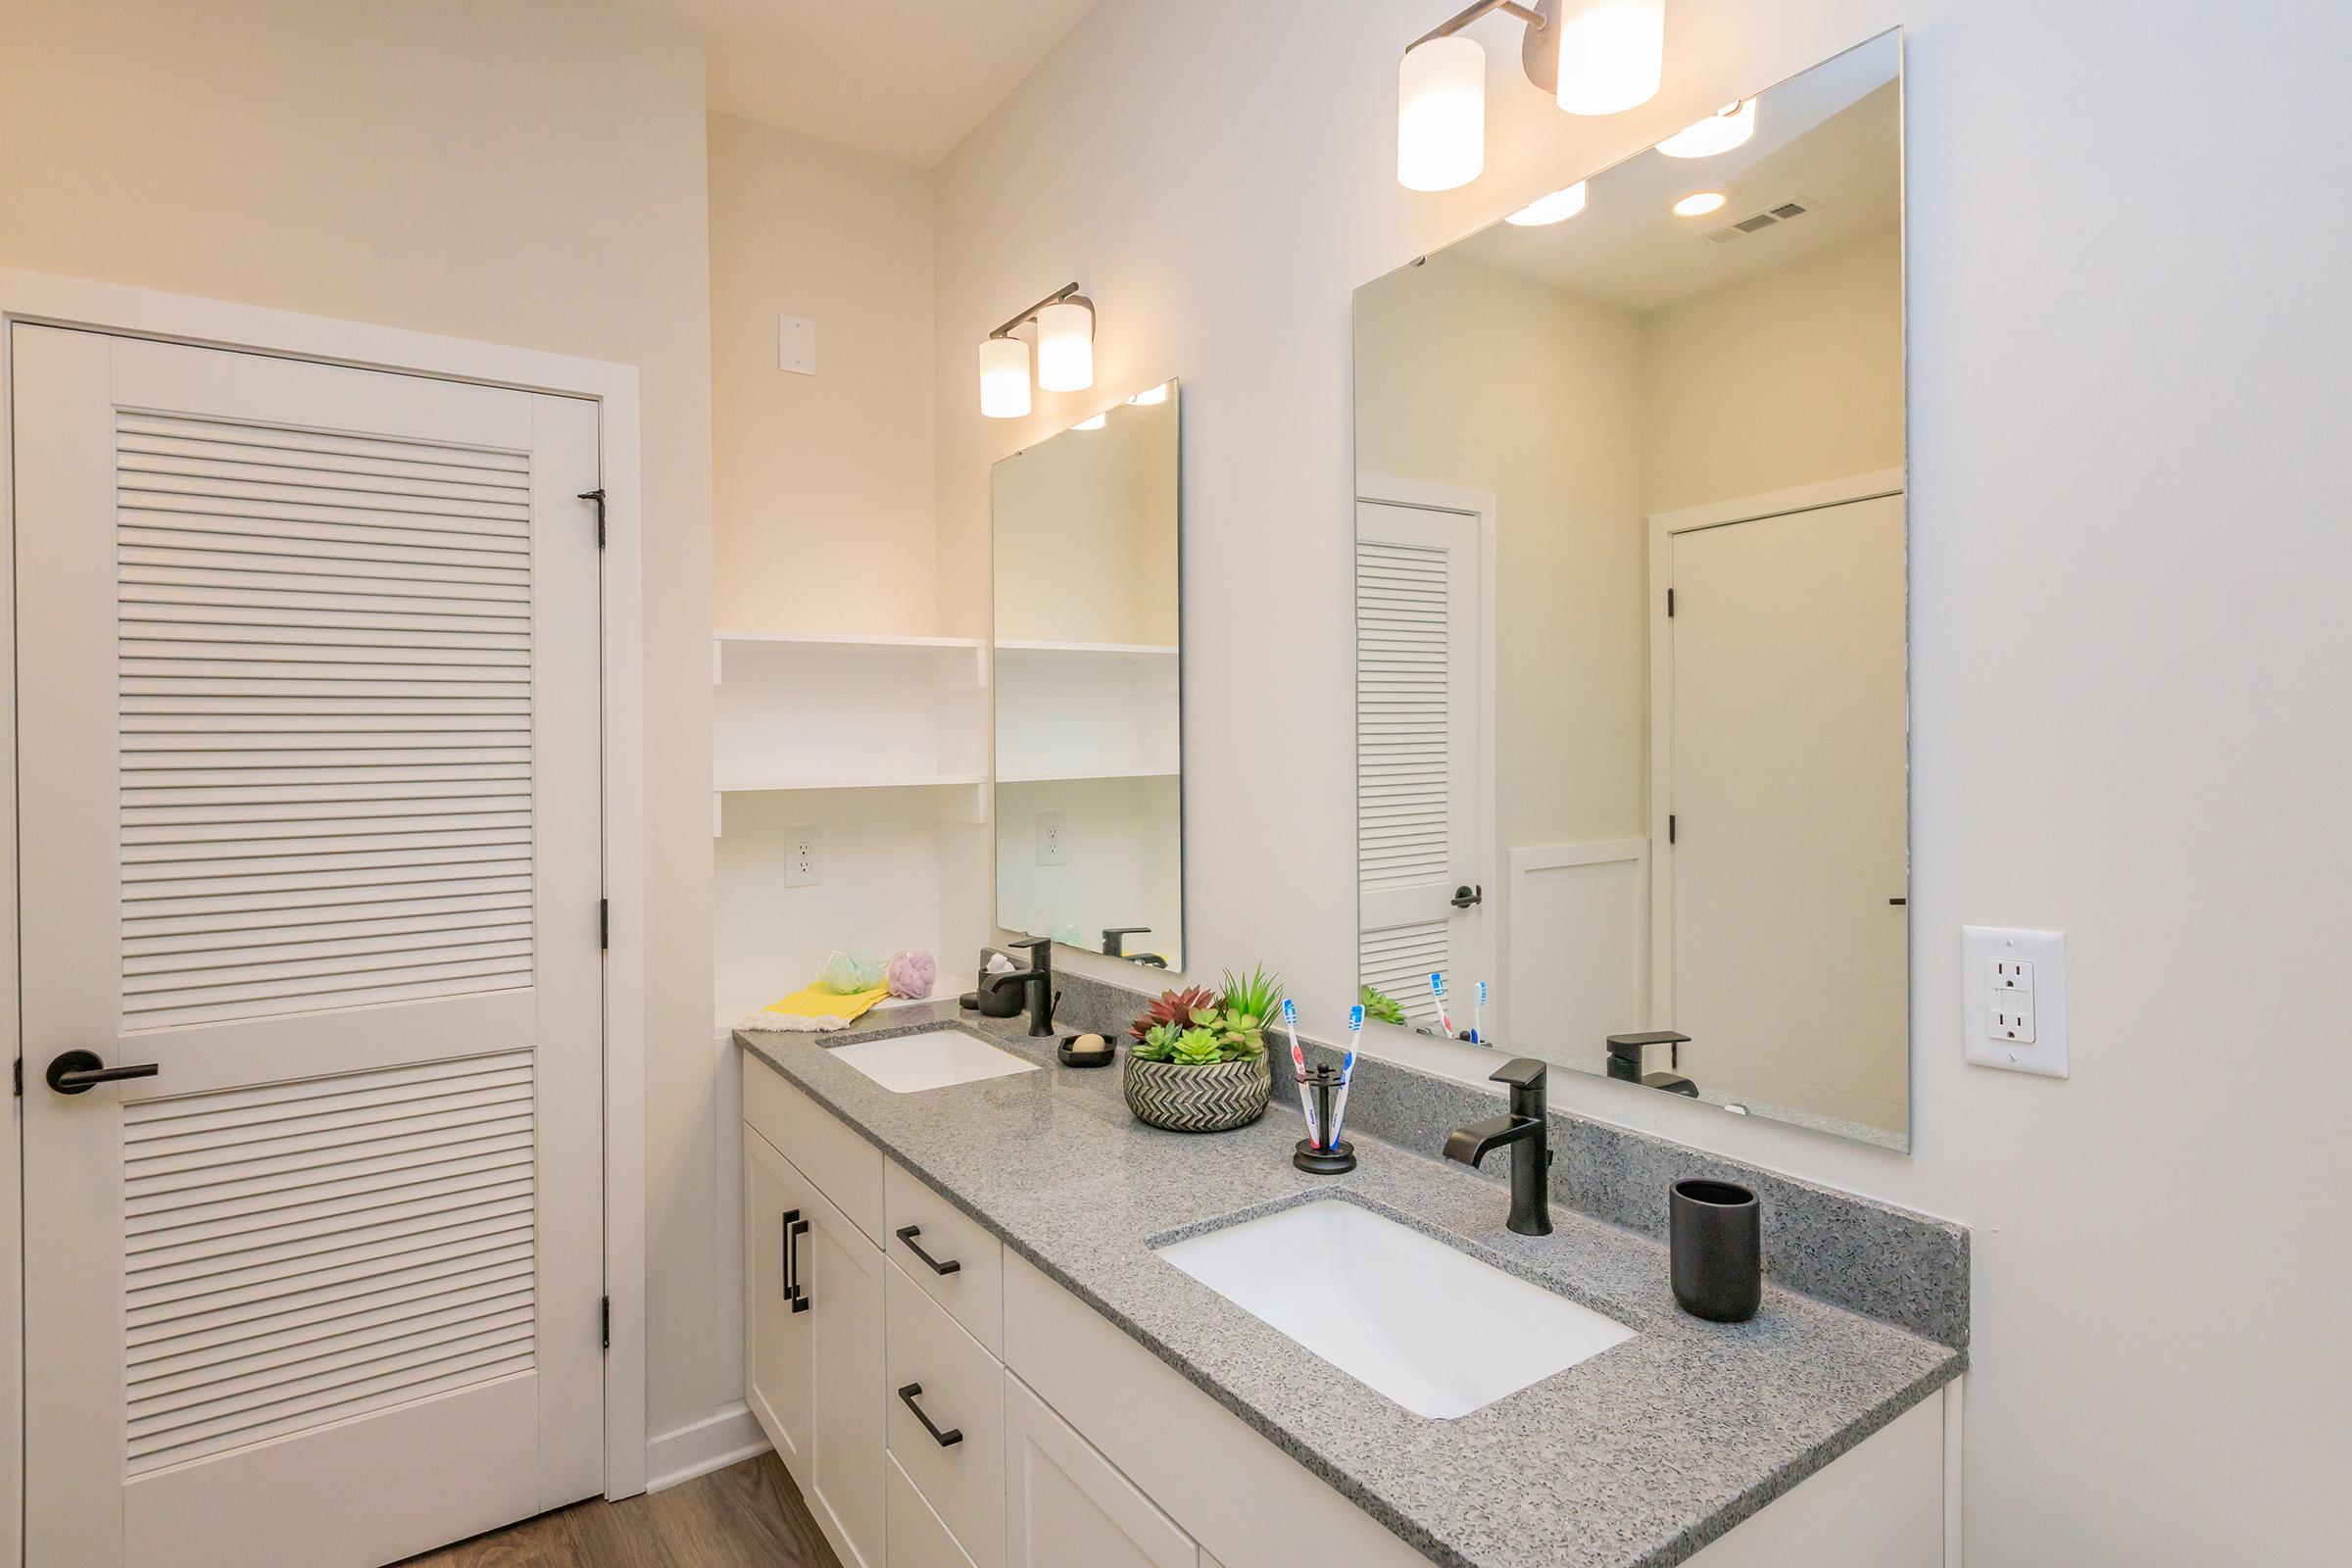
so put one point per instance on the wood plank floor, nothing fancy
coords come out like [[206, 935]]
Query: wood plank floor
[[748, 1515]]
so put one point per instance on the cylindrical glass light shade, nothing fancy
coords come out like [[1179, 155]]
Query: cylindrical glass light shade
[[1004, 378], [1556, 207], [1612, 54], [1719, 133], [1066, 348], [1442, 114]]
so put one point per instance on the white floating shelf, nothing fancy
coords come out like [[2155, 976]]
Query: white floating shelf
[[839, 641], [1028, 647], [1086, 773], [889, 782]]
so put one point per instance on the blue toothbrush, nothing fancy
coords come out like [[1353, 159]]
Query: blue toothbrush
[[1478, 1016], [1339, 1106]]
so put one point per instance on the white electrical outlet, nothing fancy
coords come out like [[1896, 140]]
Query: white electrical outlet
[[1050, 830], [2013, 986], [796, 345], [801, 868]]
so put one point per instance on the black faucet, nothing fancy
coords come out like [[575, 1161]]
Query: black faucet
[[1529, 1133], [1039, 978]]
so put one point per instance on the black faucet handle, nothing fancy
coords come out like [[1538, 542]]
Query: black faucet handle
[[1032, 943], [1521, 1072]]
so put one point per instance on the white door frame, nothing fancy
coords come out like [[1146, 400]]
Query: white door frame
[[41, 299], [1663, 526], [1485, 856]]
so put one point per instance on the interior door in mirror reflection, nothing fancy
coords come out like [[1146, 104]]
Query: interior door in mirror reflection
[[1782, 739], [1420, 775]]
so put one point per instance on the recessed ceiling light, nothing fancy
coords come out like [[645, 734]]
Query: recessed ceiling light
[[1699, 203], [1556, 207], [1728, 127]]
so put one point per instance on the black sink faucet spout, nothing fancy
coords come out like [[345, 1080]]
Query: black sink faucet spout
[[1528, 1131], [1038, 978]]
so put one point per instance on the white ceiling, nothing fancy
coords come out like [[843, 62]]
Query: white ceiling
[[906, 80], [1831, 138]]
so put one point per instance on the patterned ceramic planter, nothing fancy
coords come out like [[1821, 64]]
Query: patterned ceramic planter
[[1213, 1098]]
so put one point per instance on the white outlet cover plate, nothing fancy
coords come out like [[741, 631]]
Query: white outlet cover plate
[[1979, 946], [796, 345]]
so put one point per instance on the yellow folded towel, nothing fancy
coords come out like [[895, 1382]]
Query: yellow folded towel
[[815, 1008]]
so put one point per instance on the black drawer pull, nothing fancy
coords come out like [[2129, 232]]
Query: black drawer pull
[[908, 1234], [795, 1292], [946, 1440]]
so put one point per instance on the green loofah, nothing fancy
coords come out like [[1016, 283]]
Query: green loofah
[[850, 970]]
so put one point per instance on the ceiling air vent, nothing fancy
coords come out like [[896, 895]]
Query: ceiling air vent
[[1771, 216]]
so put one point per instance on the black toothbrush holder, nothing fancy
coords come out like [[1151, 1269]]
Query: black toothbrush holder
[[1322, 1087], [1717, 1241]]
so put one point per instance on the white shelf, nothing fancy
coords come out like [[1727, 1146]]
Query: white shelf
[[898, 781], [1086, 773], [839, 641], [1020, 646]]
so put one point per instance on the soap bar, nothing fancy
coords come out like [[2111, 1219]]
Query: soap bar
[[1089, 1046]]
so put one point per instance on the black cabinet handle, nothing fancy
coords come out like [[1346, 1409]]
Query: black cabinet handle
[[908, 1234], [78, 1072], [795, 1292], [946, 1440], [1898, 903]]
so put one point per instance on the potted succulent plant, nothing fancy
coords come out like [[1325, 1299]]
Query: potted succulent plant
[[1197, 1063]]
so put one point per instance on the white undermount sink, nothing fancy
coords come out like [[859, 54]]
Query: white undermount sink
[[932, 1059], [1426, 1324]]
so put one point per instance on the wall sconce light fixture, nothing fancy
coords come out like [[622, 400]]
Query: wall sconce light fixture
[[1066, 354], [1595, 57]]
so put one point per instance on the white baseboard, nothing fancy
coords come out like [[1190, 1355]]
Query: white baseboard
[[726, 1437]]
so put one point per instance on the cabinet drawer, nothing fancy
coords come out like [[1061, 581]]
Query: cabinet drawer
[[925, 1226], [844, 1166], [962, 1393], [918, 1538]]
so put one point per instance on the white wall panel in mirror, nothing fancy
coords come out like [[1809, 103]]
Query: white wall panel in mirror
[[1088, 755], [1630, 630]]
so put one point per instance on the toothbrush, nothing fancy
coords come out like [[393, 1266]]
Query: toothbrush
[[1478, 1016], [1339, 1104], [1307, 1103], [1436, 989]]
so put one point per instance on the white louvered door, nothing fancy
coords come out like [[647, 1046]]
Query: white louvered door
[[307, 665], [1417, 775]]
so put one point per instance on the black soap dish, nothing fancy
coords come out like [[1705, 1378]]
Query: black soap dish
[[1087, 1058]]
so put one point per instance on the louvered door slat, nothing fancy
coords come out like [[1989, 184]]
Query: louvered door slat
[[1403, 715]]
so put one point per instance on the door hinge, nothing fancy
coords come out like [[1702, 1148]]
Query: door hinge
[[1669, 604], [603, 1320], [20, 1077], [603, 925], [1670, 829], [598, 496]]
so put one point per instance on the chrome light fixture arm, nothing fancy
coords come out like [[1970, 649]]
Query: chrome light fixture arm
[[1067, 294], [1539, 53]]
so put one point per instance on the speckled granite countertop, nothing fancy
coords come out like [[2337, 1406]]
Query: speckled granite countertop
[[1635, 1458]]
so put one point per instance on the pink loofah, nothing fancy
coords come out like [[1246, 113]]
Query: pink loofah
[[910, 974]]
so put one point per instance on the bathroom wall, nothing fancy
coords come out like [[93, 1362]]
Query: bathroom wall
[[2125, 512], [1788, 378], [821, 504], [523, 172]]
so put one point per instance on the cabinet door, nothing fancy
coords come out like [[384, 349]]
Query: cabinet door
[[1066, 1506], [840, 1273], [778, 1366]]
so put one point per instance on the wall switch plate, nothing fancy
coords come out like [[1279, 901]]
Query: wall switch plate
[[2013, 992], [1050, 830], [801, 850], [796, 345]]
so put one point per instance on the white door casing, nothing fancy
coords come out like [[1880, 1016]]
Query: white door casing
[[1424, 568], [308, 668], [1779, 739]]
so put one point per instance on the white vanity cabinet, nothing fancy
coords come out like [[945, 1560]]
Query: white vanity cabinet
[[1043, 1436]]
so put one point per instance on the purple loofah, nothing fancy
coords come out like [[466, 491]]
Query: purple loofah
[[910, 974]]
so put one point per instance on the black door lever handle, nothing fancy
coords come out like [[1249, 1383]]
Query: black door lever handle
[[78, 1072]]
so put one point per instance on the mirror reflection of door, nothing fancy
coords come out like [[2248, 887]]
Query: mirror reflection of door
[[1420, 755]]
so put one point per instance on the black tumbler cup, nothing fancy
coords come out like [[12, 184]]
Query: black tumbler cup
[[1718, 1245]]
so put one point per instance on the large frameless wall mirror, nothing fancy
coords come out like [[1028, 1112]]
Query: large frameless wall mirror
[[1089, 775], [1631, 618]]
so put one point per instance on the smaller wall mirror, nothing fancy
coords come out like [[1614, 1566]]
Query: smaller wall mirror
[[1629, 617], [1087, 654]]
